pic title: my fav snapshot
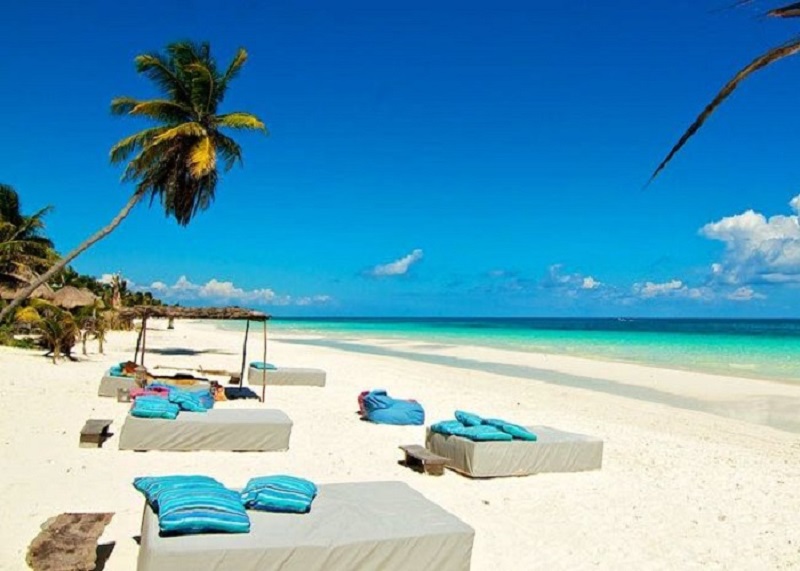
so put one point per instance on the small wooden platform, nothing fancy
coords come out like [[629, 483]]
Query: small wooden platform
[[422, 460], [94, 432]]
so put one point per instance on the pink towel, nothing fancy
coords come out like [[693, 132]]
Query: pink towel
[[154, 392]]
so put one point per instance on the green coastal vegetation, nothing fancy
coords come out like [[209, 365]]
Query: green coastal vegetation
[[176, 161]]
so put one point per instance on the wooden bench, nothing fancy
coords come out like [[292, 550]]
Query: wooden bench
[[94, 432], [422, 460]]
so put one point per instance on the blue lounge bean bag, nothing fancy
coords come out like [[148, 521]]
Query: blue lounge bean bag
[[380, 408]]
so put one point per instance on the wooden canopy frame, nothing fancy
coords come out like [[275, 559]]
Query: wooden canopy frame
[[145, 312]]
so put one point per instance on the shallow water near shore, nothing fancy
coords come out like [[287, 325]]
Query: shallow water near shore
[[760, 349]]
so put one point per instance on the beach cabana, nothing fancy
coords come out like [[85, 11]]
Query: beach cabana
[[70, 297], [553, 451], [368, 525], [111, 382]]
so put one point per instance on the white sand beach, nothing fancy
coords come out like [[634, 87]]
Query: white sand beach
[[680, 488]]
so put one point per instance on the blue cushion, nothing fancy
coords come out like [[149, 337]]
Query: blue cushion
[[468, 419], [287, 494], [201, 509], [152, 486], [261, 365], [186, 401], [116, 371], [448, 427], [485, 433], [515, 430], [154, 407]]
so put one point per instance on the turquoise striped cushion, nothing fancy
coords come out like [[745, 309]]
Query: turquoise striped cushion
[[202, 508], [153, 486], [287, 494]]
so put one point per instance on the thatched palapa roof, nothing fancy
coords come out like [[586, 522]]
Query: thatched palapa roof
[[166, 312], [44, 291], [70, 297]]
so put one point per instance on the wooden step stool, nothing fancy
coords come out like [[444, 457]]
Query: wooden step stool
[[94, 432], [422, 460]]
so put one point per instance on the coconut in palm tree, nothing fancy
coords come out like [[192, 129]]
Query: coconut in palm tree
[[176, 161]]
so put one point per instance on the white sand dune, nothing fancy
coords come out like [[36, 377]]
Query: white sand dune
[[679, 489]]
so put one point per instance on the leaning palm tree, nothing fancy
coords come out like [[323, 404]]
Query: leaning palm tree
[[790, 48], [24, 249], [176, 160]]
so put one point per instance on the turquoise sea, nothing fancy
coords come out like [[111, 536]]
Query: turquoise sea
[[756, 348]]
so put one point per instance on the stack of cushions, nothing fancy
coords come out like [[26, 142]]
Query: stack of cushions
[[474, 427], [200, 504], [154, 407], [377, 406], [262, 366], [286, 494], [194, 504]]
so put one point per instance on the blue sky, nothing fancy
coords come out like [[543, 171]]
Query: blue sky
[[438, 158]]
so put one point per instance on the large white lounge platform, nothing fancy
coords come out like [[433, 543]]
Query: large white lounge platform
[[286, 376], [361, 526], [244, 430], [109, 384], [553, 451]]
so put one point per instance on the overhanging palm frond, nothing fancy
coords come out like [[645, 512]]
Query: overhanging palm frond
[[240, 120], [788, 11], [773, 55]]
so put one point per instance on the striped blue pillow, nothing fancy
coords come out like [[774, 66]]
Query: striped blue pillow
[[287, 494], [203, 508], [153, 486]]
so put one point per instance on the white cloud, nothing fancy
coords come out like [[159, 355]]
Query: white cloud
[[398, 267], [744, 293], [672, 288], [590, 283], [757, 249], [215, 290]]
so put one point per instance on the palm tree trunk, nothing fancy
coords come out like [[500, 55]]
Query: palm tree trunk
[[96, 237]]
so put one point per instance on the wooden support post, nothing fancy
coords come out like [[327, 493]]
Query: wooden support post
[[138, 342], [144, 338], [264, 385], [244, 352]]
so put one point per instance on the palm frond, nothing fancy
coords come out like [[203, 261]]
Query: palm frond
[[202, 158], [240, 120], [202, 87], [162, 110], [123, 105], [788, 11], [158, 69], [773, 55], [191, 129], [129, 145], [229, 150]]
